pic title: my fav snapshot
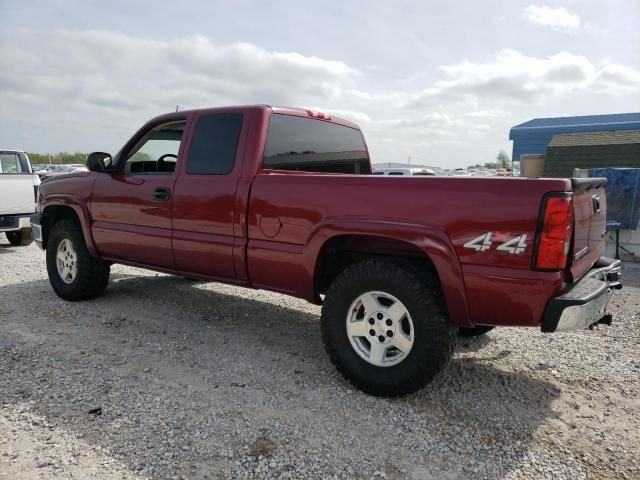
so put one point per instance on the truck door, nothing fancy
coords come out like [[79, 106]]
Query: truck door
[[204, 203], [131, 207], [17, 188]]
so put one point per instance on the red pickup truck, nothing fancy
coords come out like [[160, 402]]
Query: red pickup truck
[[282, 199]]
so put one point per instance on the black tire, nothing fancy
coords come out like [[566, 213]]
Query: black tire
[[474, 331], [92, 274], [20, 238], [419, 291]]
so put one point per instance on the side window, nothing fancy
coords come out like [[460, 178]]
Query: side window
[[214, 144], [310, 145], [10, 163], [157, 151]]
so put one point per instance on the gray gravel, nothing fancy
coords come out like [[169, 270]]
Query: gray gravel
[[167, 378]]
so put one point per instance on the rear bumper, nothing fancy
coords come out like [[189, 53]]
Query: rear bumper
[[36, 228], [585, 302], [10, 223]]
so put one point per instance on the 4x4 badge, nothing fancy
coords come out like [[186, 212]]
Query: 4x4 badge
[[484, 242]]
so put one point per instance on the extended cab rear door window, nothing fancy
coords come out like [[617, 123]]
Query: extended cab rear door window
[[214, 144], [310, 145]]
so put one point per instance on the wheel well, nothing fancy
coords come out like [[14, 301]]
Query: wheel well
[[54, 214], [343, 251]]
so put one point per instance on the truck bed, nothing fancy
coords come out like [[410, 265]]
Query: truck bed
[[288, 208]]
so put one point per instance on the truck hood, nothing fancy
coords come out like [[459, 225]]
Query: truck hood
[[63, 176]]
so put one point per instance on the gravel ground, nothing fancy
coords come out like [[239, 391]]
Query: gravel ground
[[166, 378]]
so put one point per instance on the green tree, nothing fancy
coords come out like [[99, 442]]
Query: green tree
[[141, 157], [58, 158], [37, 158], [503, 160]]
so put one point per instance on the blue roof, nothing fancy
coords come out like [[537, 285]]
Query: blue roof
[[532, 137], [615, 120]]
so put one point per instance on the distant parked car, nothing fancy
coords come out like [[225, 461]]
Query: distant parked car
[[54, 170], [403, 172]]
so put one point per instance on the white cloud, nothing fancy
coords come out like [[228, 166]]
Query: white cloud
[[558, 17], [105, 70], [90, 90], [618, 78], [514, 78]]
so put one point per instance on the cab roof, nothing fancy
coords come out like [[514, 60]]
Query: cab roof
[[296, 111]]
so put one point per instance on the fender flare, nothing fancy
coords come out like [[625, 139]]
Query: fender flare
[[432, 241], [81, 211]]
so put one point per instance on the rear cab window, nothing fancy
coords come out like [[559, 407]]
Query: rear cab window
[[311, 145]]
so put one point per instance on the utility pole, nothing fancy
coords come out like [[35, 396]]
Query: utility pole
[[409, 160]]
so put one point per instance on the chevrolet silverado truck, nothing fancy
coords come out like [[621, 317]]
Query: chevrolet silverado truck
[[18, 187], [283, 199]]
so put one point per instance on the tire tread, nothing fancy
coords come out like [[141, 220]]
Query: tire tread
[[93, 273], [439, 337], [20, 238]]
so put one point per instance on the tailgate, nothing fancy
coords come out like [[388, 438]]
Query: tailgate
[[590, 220]]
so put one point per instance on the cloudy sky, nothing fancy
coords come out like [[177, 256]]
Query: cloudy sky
[[441, 82]]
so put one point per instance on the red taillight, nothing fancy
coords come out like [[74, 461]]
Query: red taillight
[[555, 235]]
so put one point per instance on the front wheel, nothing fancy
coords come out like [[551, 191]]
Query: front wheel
[[385, 327], [20, 238], [73, 273]]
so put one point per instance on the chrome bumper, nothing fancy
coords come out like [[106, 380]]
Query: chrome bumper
[[11, 223], [584, 303]]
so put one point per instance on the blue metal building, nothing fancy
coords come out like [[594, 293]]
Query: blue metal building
[[532, 137]]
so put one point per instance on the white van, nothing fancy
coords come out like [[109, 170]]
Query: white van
[[403, 172], [18, 192]]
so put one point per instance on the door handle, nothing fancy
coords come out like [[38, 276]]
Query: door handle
[[162, 193]]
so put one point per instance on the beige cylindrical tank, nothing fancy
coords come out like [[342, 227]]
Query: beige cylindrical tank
[[532, 165]]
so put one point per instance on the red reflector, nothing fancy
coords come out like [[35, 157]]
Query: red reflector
[[320, 115], [555, 236]]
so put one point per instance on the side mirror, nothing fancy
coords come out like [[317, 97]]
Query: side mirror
[[99, 161]]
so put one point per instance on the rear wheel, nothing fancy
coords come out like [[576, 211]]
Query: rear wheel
[[474, 331], [73, 273], [385, 327], [20, 238]]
